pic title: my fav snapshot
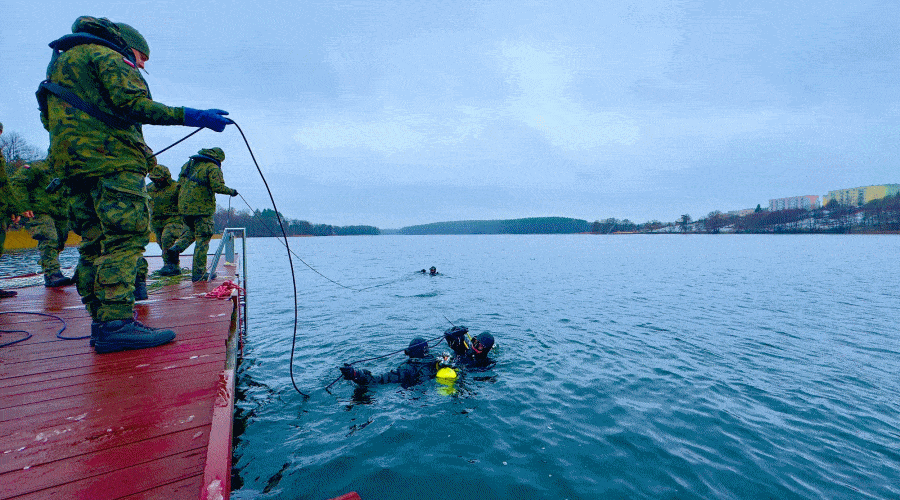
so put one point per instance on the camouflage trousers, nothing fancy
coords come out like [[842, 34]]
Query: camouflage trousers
[[172, 233], [50, 234], [200, 228], [112, 216]]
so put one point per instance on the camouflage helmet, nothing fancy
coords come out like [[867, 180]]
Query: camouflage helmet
[[133, 39], [215, 153], [1, 126]]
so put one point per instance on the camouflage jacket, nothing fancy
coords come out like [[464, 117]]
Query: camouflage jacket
[[163, 201], [86, 146], [200, 178], [9, 202], [30, 183]]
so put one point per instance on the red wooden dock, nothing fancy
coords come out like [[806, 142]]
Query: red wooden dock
[[152, 423]]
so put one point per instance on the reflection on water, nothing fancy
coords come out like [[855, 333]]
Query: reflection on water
[[18, 268]]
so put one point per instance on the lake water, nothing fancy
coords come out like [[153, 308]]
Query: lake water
[[628, 367]]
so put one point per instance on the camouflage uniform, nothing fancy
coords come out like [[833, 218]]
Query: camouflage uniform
[[9, 203], [9, 206], [50, 224], [167, 223], [199, 180], [104, 165]]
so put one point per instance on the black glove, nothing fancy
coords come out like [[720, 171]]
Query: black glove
[[233, 193], [348, 372], [456, 333], [213, 119]]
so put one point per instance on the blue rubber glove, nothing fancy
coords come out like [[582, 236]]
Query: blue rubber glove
[[213, 119]]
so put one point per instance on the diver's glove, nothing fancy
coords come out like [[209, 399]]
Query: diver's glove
[[233, 192], [213, 119], [456, 333], [348, 372]]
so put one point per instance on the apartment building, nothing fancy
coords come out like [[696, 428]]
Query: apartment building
[[809, 202], [857, 196]]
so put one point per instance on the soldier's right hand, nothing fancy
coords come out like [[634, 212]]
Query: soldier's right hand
[[213, 119]]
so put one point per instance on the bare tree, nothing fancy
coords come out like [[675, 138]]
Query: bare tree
[[17, 150]]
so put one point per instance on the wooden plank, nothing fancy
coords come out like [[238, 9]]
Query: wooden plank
[[52, 474], [133, 424]]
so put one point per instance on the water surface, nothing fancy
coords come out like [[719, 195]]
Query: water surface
[[645, 366]]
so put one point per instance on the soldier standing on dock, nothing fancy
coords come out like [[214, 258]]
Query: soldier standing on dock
[[50, 224], [9, 210], [93, 103], [167, 223], [199, 180]]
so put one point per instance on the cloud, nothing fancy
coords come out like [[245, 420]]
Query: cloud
[[546, 99]]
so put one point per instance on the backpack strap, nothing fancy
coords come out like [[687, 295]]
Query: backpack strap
[[79, 103], [63, 44]]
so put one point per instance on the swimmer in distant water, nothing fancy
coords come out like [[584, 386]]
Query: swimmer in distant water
[[419, 367], [433, 271], [471, 352]]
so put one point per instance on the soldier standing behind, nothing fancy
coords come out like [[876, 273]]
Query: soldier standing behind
[[9, 210], [199, 180], [93, 104], [171, 233], [50, 224]]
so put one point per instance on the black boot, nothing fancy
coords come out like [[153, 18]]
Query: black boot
[[95, 332], [203, 277], [140, 289], [5, 294], [126, 334], [56, 279], [173, 268]]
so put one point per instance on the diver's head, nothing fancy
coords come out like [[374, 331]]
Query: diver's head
[[482, 344], [418, 348]]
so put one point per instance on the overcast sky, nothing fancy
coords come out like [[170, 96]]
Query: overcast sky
[[391, 113]]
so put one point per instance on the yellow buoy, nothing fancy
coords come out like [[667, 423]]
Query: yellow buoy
[[446, 373]]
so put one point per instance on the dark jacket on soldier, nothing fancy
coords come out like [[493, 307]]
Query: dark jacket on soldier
[[419, 367], [106, 78], [30, 183], [199, 180], [413, 371]]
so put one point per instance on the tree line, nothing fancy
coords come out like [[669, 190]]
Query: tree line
[[265, 223]]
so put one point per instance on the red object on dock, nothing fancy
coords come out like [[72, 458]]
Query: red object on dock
[[151, 423], [348, 496]]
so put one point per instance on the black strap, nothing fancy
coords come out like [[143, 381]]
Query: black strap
[[68, 41], [207, 158], [196, 180], [89, 108]]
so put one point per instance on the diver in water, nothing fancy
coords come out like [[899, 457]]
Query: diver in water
[[433, 271], [470, 352], [419, 367]]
